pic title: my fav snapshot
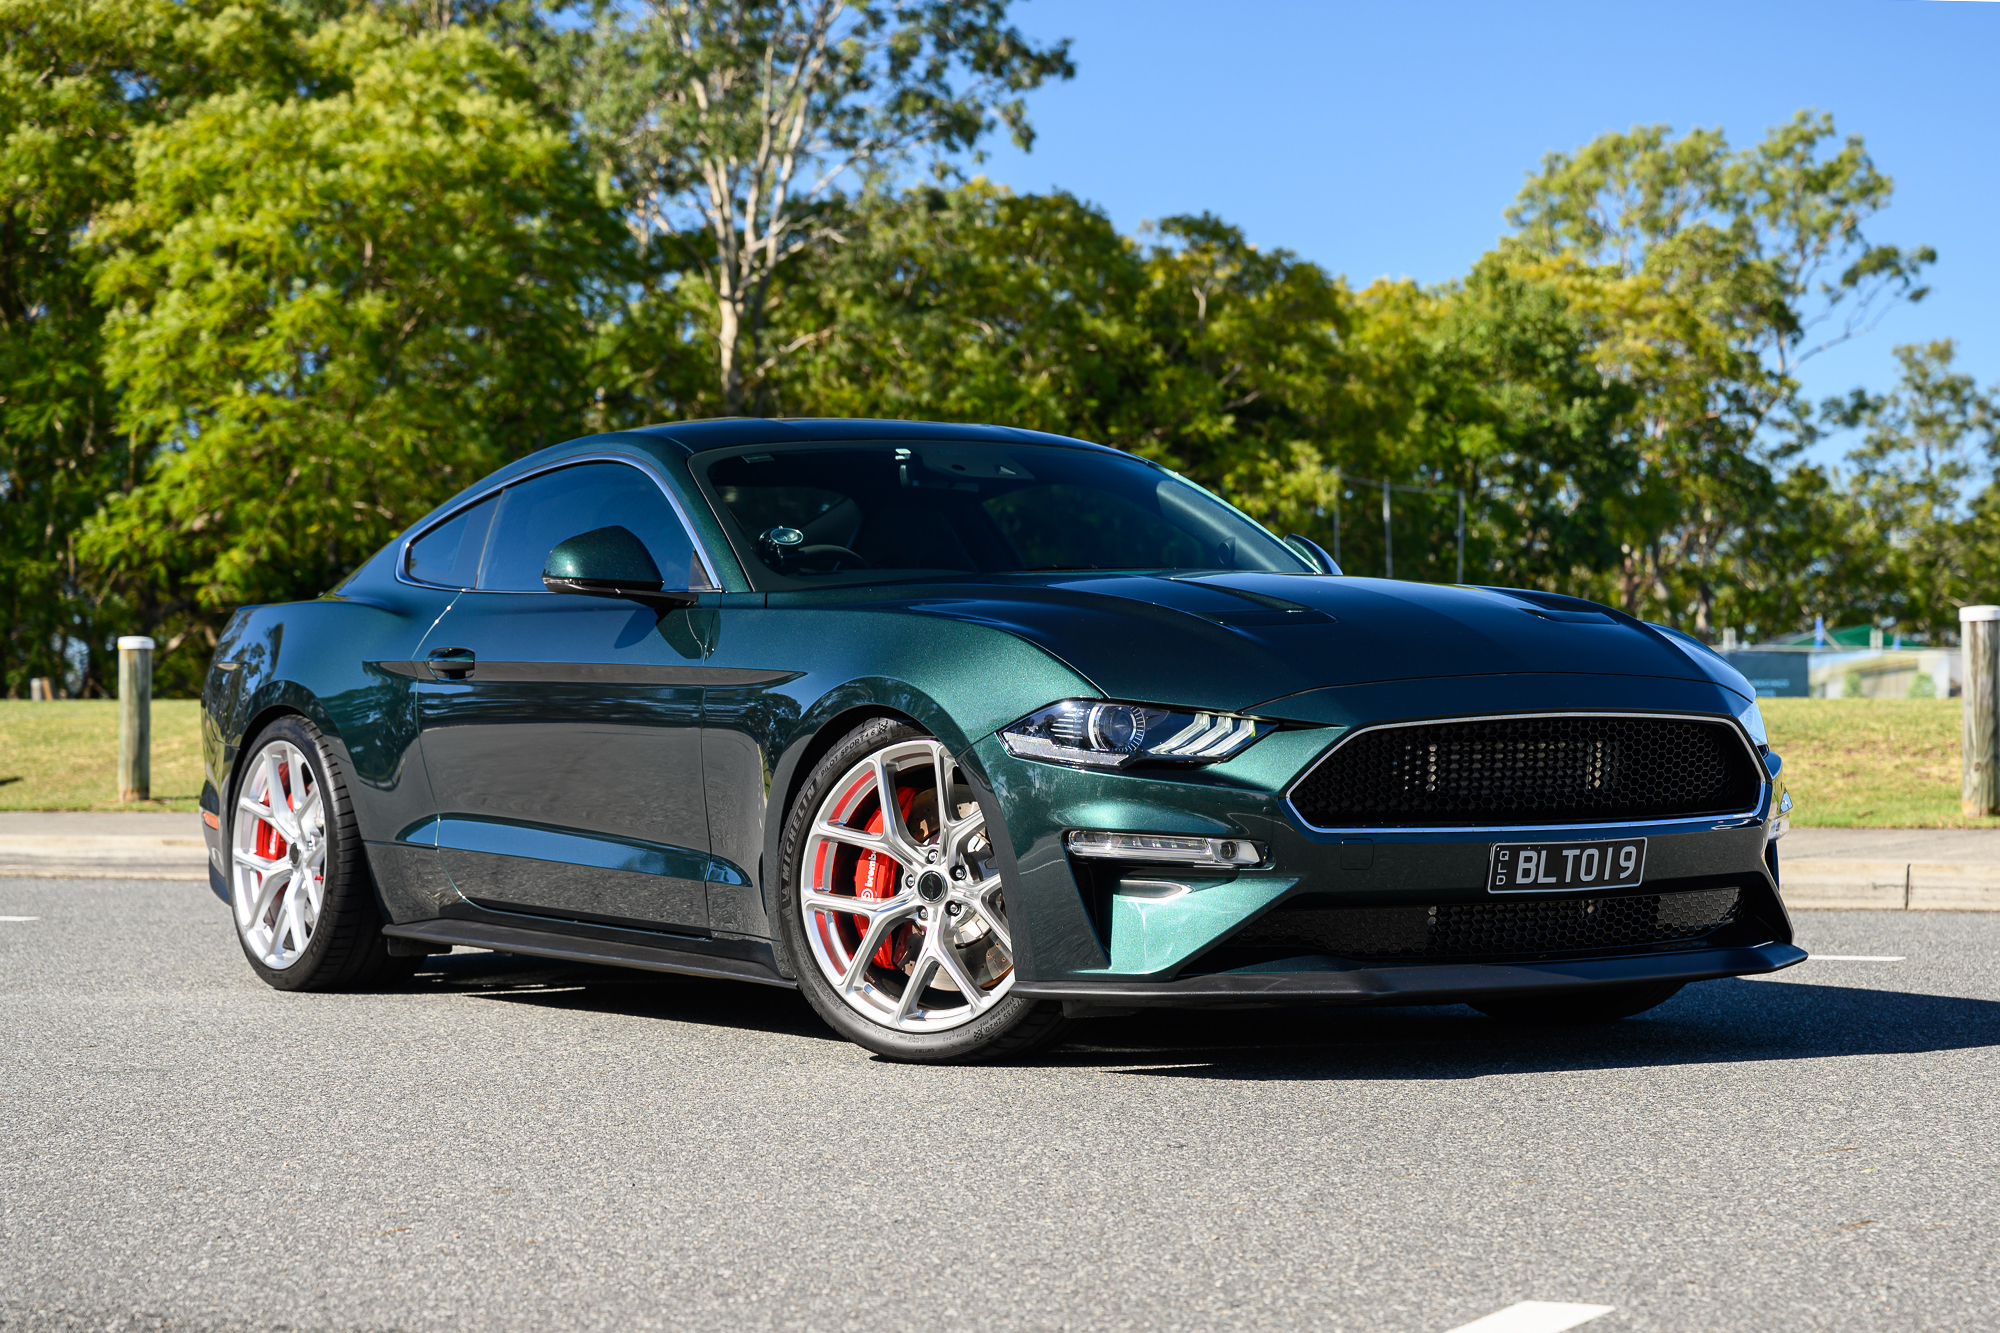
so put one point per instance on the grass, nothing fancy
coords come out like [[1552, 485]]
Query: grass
[[63, 755], [1871, 763], [1850, 763]]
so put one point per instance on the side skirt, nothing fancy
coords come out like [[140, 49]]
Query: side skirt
[[571, 948]]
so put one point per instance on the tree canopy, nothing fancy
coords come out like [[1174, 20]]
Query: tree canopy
[[731, 124], [278, 276], [324, 314]]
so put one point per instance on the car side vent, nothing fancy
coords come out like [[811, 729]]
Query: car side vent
[[1533, 769]]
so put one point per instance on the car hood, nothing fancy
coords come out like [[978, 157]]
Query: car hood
[[1248, 641]]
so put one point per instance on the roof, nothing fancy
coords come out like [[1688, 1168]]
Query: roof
[[725, 432], [691, 437]]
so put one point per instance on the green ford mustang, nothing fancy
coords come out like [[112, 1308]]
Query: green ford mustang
[[969, 733]]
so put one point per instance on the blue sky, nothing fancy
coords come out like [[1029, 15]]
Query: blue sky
[[1387, 138]]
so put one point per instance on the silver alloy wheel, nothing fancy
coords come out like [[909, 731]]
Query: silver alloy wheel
[[935, 953], [278, 855]]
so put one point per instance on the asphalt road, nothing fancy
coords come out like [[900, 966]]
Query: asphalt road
[[512, 1145]]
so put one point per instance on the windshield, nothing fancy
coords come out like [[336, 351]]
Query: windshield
[[848, 514]]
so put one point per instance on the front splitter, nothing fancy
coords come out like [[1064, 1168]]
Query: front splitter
[[1420, 983]]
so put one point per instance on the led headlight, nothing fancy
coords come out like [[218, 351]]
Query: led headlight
[[1099, 734]]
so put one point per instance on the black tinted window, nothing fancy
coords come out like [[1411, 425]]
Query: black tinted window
[[448, 555], [542, 512], [847, 514], [1062, 525]]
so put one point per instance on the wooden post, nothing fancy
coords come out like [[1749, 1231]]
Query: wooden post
[[135, 717], [1979, 632]]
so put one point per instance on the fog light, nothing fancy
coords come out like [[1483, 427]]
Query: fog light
[[1168, 848]]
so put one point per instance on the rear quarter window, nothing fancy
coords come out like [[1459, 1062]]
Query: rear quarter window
[[448, 555]]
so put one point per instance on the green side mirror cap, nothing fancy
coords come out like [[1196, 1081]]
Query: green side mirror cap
[[610, 562]]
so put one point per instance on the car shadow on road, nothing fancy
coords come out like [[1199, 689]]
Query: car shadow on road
[[548, 983], [1716, 1022]]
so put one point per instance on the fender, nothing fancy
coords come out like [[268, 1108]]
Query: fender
[[832, 716], [328, 661]]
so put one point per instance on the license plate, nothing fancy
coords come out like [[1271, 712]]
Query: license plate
[[1521, 867]]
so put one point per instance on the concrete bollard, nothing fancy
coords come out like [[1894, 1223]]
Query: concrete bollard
[[1979, 632], [135, 717]]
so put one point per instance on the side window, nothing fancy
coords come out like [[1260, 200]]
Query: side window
[[448, 555], [541, 512]]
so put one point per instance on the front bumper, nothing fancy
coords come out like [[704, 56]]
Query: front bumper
[[1089, 933]]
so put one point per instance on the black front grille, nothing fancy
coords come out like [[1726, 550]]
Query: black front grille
[[1530, 770], [1488, 929]]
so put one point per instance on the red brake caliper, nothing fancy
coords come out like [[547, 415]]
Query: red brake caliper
[[270, 844], [875, 878]]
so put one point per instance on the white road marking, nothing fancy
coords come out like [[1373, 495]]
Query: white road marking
[[20, 918], [1535, 1317], [1855, 958]]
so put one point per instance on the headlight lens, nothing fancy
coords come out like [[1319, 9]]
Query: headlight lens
[[1752, 719], [1097, 733]]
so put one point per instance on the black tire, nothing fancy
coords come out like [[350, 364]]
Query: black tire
[[1601, 1004], [347, 950], [1014, 1028]]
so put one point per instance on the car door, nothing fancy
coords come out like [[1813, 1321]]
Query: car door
[[562, 732]]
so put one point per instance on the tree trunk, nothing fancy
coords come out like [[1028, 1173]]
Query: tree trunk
[[729, 321]]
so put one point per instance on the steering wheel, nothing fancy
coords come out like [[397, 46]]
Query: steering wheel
[[840, 554]]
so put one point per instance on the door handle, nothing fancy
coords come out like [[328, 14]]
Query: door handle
[[450, 663]]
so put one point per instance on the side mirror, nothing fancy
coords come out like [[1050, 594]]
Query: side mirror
[[1313, 553], [611, 562]]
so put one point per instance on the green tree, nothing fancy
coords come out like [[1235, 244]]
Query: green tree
[[1923, 445], [78, 78], [962, 305], [974, 304], [1488, 386], [732, 124], [1247, 385], [328, 313], [1709, 276], [1251, 371]]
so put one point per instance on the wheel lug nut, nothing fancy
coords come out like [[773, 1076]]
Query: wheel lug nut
[[958, 872]]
